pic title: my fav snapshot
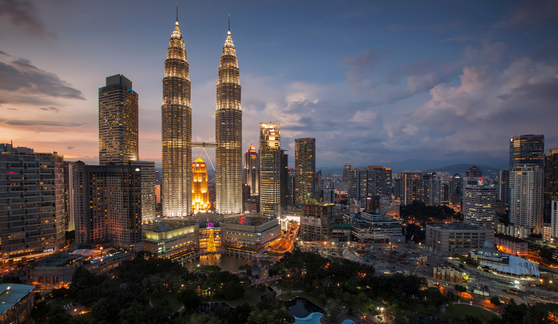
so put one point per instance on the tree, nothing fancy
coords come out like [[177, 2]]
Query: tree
[[332, 310], [233, 290], [204, 319], [58, 315], [40, 311], [190, 300]]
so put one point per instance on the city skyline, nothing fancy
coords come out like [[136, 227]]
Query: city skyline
[[470, 79]]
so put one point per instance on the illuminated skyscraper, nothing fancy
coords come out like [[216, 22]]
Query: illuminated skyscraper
[[200, 194], [479, 205], [270, 170], [176, 130], [550, 182], [228, 133], [118, 121], [305, 168], [527, 150], [252, 171]]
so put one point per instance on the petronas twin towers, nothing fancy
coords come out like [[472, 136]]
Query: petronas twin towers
[[177, 132]]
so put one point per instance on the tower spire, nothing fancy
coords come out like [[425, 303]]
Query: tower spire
[[229, 24], [177, 14]]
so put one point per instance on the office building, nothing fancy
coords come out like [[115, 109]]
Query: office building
[[328, 196], [148, 195], [200, 193], [118, 121], [285, 193], [550, 182], [527, 150], [305, 168], [526, 197], [511, 245], [456, 185], [315, 222], [176, 130], [383, 178], [270, 170], [504, 185], [347, 173], [251, 175], [456, 237], [472, 177], [31, 201], [228, 133], [411, 187], [432, 189], [106, 204], [479, 205]]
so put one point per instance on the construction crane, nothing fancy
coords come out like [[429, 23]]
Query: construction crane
[[418, 265]]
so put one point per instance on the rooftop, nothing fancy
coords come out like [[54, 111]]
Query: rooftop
[[167, 225], [11, 294], [456, 226]]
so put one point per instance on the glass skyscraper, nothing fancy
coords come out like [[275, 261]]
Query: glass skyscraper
[[118, 121], [526, 150], [305, 168], [270, 170]]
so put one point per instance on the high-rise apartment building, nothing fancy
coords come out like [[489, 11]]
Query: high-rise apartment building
[[347, 173], [383, 180], [31, 201], [106, 204], [176, 130], [411, 187], [504, 185], [251, 175], [550, 182], [200, 192], [554, 220], [118, 121], [526, 197], [228, 133], [305, 167], [456, 185], [527, 150], [270, 170], [479, 205]]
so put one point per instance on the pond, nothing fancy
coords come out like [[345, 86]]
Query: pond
[[227, 262]]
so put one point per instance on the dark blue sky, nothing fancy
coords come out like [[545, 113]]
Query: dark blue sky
[[375, 82]]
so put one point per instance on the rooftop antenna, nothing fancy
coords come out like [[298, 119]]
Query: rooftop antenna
[[229, 24], [177, 14]]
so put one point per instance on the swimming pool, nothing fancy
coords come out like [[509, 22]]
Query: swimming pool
[[313, 318]]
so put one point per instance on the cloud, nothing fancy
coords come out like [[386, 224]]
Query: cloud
[[70, 147], [54, 109], [11, 108], [362, 65], [5, 54], [460, 38], [529, 14], [436, 28], [17, 122], [22, 82], [24, 14], [488, 106]]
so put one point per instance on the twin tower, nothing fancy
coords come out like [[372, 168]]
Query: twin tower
[[177, 132]]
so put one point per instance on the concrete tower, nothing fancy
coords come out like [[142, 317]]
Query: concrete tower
[[228, 133], [305, 168]]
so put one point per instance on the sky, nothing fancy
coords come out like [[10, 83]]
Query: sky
[[375, 82]]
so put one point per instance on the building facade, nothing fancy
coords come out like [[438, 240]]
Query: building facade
[[511, 245], [550, 182], [432, 189], [176, 130], [305, 167], [411, 187], [17, 303], [527, 150], [479, 205], [554, 220], [504, 185], [456, 237], [526, 197], [200, 192], [107, 206], [228, 133], [270, 170], [31, 201], [118, 121], [251, 174]]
